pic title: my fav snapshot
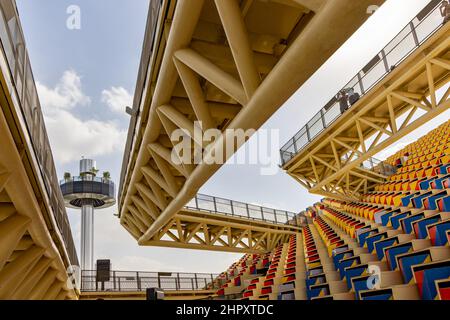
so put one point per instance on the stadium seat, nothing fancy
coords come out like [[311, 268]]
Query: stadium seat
[[443, 289], [426, 275], [407, 260], [438, 233]]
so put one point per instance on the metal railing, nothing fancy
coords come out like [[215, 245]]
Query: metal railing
[[371, 164], [120, 281], [421, 28], [22, 89], [233, 208], [378, 166], [87, 178], [88, 185]]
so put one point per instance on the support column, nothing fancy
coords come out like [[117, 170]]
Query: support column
[[87, 237]]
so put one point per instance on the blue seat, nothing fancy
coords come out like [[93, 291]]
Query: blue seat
[[439, 182], [426, 275], [425, 185], [359, 284], [444, 204], [385, 218], [393, 252], [407, 223], [381, 245], [407, 199], [342, 255], [360, 231], [438, 233], [444, 169], [420, 227], [349, 262], [431, 202], [319, 290], [364, 235], [408, 260], [314, 271], [417, 202], [374, 238], [395, 220], [315, 280], [353, 272]]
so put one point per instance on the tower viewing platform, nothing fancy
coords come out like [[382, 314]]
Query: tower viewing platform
[[88, 192]]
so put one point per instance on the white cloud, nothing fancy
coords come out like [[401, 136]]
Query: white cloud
[[66, 95], [117, 98], [71, 137]]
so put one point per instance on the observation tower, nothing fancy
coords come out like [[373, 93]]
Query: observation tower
[[88, 192]]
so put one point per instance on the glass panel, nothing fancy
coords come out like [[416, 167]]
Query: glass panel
[[316, 126], [255, 211], [332, 114], [269, 215], [224, 207], [374, 75], [401, 49], [240, 209], [425, 27]]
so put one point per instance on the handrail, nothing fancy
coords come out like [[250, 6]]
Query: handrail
[[86, 178], [233, 208], [372, 164], [418, 30], [120, 281]]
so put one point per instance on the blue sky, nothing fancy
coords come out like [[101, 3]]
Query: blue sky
[[105, 51], [85, 78]]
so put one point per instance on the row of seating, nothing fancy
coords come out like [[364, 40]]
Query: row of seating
[[437, 152], [336, 255], [424, 148], [284, 277], [392, 243], [409, 262], [241, 272], [421, 222], [432, 177], [260, 287], [402, 227]]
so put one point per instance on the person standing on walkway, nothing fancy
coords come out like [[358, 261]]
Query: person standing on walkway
[[445, 11]]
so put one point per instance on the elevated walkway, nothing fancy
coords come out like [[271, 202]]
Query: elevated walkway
[[397, 90], [36, 244], [211, 223], [228, 64]]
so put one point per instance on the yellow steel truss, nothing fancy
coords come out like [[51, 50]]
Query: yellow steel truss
[[229, 64]]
